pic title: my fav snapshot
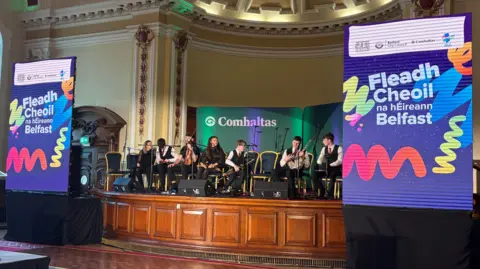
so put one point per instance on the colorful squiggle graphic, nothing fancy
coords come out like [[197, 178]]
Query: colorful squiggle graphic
[[450, 144], [459, 56], [366, 165], [447, 99], [67, 87], [16, 116], [356, 100], [17, 159], [59, 148]]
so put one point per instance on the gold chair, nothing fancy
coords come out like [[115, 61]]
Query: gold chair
[[267, 161], [338, 188], [113, 163]]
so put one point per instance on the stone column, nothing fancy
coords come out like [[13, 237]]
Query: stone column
[[141, 114]]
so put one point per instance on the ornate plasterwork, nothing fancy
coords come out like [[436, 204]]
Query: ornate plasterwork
[[127, 9], [91, 13], [390, 12], [288, 11]]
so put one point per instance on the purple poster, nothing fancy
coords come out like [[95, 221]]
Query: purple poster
[[40, 126], [407, 114]]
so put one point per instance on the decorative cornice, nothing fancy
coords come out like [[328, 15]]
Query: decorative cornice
[[96, 38], [388, 12], [108, 11], [247, 51], [126, 9], [42, 47]]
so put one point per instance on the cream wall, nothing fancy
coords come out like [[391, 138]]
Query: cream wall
[[13, 39], [216, 79], [104, 77]]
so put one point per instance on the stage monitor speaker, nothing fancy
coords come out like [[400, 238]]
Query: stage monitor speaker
[[274, 190], [122, 184], [195, 187]]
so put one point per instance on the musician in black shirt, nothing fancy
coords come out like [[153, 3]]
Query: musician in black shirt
[[189, 155], [145, 162], [212, 160]]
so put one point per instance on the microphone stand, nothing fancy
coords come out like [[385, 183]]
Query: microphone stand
[[124, 149], [276, 139], [284, 137], [151, 165], [255, 135]]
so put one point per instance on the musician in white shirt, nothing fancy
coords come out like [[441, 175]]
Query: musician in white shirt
[[293, 161], [330, 158], [235, 159], [166, 158]]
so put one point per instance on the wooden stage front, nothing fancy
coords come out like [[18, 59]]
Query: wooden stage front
[[309, 229]]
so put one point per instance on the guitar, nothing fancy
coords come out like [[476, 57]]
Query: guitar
[[231, 171], [299, 162]]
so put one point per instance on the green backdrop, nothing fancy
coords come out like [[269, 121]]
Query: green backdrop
[[328, 118], [233, 123], [230, 124]]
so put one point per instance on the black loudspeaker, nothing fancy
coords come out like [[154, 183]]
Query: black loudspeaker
[[122, 184], [195, 187], [275, 190]]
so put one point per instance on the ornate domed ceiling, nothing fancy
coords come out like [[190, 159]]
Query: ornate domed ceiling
[[289, 11], [240, 17]]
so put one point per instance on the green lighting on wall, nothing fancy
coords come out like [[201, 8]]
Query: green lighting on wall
[[182, 6], [22, 6]]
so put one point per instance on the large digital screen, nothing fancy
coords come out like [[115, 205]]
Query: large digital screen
[[40, 126], [407, 114], [265, 127]]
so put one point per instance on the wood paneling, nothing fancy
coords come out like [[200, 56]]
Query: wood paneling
[[165, 222], [263, 227], [109, 215], [300, 229], [226, 226], [333, 231], [141, 219], [193, 224], [123, 218]]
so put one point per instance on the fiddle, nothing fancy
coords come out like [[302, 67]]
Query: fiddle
[[188, 155]]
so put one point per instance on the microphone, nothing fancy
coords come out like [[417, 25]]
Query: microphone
[[256, 126], [252, 145], [174, 146]]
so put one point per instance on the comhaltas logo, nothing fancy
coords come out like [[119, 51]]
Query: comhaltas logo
[[210, 121], [242, 122]]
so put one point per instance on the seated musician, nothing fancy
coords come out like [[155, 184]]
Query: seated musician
[[236, 159], [145, 162], [293, 161], [165, 160], [331, 157], [188, 158], [212, 160]]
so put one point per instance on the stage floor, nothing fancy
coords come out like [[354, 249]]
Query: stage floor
[[291, 229]]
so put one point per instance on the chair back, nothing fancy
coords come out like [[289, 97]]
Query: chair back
[[268, 161], [114, 161], [132, 161], [312, 162], [253, 155]]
